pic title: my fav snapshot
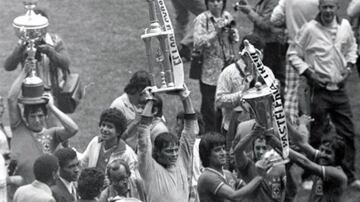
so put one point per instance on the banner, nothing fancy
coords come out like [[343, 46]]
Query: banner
[[174, 53]]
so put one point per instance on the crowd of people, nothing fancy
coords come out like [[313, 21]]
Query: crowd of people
[[220, 152]]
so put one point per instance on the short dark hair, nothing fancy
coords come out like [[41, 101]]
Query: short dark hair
[[65, 155], [138, 82], [208, 141], [28, 108], [163, 140], [90, 183], [337, 145], [255, 40], [115, 165], [223, 8], [115, 117], [44, 167]]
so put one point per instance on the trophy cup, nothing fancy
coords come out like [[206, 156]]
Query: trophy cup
[[30, 28], [158, 54], [261, 100]]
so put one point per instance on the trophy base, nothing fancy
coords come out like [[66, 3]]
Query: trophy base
[[167, 89]]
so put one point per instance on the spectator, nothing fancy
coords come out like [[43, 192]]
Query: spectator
[[31, 138], [324, 51], [109, 146], [64, 189], [122, 184], [234, 80], [215, 183], [129, 103], [90, 183], [183, 8], [164, 167], [295, 13], [210, 38], [45, 170]]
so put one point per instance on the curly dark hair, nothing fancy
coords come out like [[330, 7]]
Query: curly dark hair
[[90, 182], [116, 117]]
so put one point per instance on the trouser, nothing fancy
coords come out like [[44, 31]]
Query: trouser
[[183, 8], [275, 59], [334, 105], [208, 111]]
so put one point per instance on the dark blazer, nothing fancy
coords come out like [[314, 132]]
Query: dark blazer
[[61, 193]]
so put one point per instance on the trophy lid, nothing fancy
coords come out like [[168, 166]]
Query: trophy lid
[[257, 91], [30, 20]]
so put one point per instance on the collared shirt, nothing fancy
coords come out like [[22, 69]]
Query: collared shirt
[[212, 46], [70, 186], [314, 48], [230, 88]]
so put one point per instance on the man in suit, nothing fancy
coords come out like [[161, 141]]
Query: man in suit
[[64, 189], [45, 171]]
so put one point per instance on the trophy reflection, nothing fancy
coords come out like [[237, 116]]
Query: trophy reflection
[[164, 78]]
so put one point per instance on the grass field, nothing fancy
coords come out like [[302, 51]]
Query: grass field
[[103, 39]]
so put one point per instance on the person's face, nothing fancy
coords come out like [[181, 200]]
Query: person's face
[[218, 156], [260, 148], [36, 120], [328, 9], [215, 6], [120, 180], [108, 131], [327, 155], [169, 155], [71, 170]]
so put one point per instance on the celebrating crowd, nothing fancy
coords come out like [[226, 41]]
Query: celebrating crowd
[[221, 152]]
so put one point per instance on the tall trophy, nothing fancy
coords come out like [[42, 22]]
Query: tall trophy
[[259, 97], [263, 99], [161, 52], [30, 28]]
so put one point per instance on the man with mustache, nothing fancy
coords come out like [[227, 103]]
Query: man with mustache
[[165, 164], [324, 51]]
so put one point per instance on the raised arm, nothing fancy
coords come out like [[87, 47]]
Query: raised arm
[[146, 162], [260, 20], [241, 142], [191, 128], [15, 89], [278, 14], [70, 128], [16, 57], [300, 137], [57, 54]]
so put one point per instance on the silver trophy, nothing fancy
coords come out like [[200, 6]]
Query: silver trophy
[[164, 78], [30, 28]]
